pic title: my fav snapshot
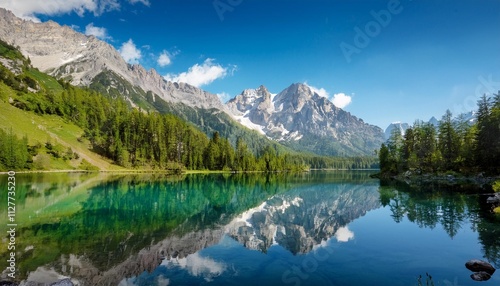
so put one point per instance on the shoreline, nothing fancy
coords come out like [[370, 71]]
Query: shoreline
[[166, 172], [448, 180]]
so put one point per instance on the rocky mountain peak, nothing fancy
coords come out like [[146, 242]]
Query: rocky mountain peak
[[401, 127], [65, 53], [296, 97], [297, 114]]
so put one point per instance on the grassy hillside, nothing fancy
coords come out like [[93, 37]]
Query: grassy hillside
[[52, 136], [47, 124], [41, 129]]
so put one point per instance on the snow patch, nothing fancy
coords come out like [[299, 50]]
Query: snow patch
[[245, 217], [245, 121], [65, 60]]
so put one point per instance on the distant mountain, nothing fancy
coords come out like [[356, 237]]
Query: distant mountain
[[398, 126], [468, 117], [300, 118], [296, 117], [434, 121]]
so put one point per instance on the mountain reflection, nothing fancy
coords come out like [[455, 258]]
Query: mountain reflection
[[302, 218], [127, 225]]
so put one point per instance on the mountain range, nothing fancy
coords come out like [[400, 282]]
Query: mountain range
[[468, 118], [296, 117]]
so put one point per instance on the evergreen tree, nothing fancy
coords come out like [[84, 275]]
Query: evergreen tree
[[383, 155], [448, 142]]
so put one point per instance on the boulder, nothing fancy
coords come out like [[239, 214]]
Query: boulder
[[477, 265], [493, 200], [480, 276]]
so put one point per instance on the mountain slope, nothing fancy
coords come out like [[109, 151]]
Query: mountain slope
[[300, 118], [65, 53], [296, 117]]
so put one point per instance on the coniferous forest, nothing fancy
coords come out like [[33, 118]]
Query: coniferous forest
[[455, 145], [132, 137]]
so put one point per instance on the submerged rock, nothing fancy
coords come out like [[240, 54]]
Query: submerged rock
[[480, 276], [7, 283], [477, 265]]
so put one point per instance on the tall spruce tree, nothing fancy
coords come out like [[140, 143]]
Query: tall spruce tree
[[448, 142]]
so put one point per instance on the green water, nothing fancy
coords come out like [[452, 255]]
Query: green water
[[319, 228]]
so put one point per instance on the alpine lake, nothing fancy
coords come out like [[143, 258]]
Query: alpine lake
[[315, 228]]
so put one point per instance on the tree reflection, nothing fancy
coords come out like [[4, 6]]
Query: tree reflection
[[429, 207]]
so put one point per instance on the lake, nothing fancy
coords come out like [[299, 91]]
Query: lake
[[317, 228]]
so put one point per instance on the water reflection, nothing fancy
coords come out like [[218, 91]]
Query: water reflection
[[99, 229], [156, 230], [303, 217], [447, 208]]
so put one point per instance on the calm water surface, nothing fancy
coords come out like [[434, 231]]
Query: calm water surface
[[319, 228]]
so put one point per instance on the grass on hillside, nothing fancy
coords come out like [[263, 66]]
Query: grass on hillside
[[49, 83], [40, 129]]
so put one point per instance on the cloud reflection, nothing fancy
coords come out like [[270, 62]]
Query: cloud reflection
[[343, 234], [198, 266]]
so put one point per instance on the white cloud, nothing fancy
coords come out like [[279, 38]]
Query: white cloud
[[164, 59], [145, 2], [130, 53], [224, 96], [320, 91], [341, 100], [203, 74], [28, 9], [98, 32]]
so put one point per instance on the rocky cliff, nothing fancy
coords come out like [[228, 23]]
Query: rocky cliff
[[65, 53], [297, 116]]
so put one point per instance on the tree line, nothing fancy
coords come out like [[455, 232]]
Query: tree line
[[135, 138], [455, 145], [14, 152]]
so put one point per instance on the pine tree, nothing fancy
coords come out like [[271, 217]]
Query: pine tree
[[448, 142], [484, 137]]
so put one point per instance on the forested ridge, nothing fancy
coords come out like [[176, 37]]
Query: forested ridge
[[454, 146], [131, 137]]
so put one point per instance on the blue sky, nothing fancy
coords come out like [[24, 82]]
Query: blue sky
[[383, 61]]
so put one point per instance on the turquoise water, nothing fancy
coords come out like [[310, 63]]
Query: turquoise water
[[319, 228]]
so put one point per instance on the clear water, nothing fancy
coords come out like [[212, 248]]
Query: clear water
[[319, 228]]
